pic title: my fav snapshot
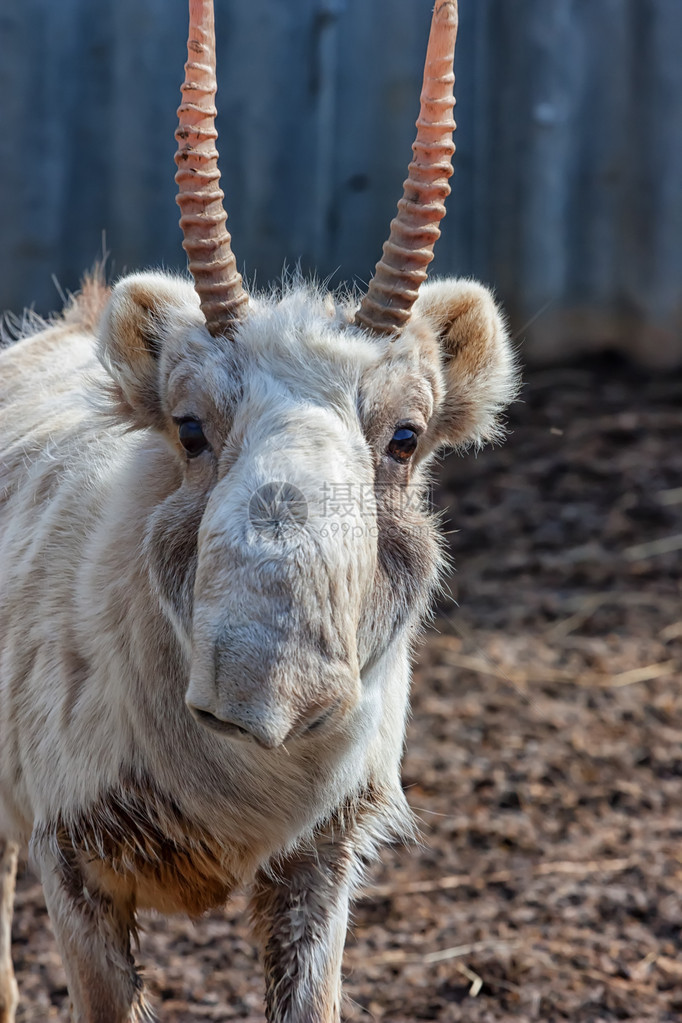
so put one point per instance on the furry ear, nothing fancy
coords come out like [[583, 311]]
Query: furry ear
[[131, 338], [479, 369]]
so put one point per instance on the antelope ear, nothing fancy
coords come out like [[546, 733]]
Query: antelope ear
[[479, 367], [134, 329]]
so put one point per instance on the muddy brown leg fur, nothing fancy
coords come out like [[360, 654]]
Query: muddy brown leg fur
[[300, 916], [93, 934]]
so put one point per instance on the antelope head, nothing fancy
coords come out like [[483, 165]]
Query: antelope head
[[291, 548]]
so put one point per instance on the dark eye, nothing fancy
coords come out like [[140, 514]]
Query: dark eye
[[403, 444], [191, 436]]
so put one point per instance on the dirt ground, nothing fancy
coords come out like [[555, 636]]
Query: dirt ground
[[544, 756]]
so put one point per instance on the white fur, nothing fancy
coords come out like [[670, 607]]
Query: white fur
[[100, 649]]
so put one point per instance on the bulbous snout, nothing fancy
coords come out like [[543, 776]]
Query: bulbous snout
[[256, 684], [267, 731], [278, 592]]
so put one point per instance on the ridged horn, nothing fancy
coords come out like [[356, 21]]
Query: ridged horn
[[207, 241], [393, 290]]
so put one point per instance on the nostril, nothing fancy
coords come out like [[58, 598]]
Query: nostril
[[321, 720], [318, 723], [204, 717]]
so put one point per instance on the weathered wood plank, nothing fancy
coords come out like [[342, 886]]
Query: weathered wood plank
[[566, 193]]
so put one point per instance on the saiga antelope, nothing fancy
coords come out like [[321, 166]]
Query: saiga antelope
[[214, 556]]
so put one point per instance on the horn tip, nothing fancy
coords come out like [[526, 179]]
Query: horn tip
[[447, 9]]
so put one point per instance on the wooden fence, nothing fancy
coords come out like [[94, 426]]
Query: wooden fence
[[568, 183]]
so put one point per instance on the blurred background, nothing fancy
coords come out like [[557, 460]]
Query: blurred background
[[544, 754], [567, 194]]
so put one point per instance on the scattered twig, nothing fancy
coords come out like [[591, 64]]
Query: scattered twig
[[672, 631], [586, 867], [457, 951], [642, 969], [587, 605], [476, 981], [400, 956], [668, 497], [489, 667], [665, 545], [634, 675], [517, 679], [485, 666], [451, 881]]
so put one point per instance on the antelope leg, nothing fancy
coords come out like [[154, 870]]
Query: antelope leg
[[93, 933], [9, 995], [300, 915]]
